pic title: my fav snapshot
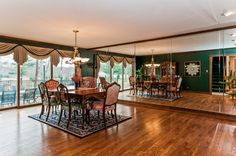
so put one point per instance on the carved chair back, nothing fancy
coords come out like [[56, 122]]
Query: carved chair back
[[89, 82], [112, 94], [51, 84], [62, 95]]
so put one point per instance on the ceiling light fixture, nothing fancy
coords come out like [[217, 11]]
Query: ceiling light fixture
[[76, 59], [152, 64], [227, 13], [233, 35]]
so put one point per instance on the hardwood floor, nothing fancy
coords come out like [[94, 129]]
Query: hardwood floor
[[149, 132], [190, 100]]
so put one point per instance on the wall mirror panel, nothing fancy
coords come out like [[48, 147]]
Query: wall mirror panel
[[196, 71], [116, 64]]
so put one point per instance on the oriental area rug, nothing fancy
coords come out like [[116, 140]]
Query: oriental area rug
[[76, 126]]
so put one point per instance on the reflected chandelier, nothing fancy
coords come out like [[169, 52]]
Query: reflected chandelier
[[76, 59], [152, 64]]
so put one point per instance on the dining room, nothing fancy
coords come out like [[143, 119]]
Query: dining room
[[117, 78]]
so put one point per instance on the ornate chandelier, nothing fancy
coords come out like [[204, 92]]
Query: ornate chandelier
[[152, 64], [76, 59]]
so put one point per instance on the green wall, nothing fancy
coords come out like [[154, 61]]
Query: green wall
[[189, 83]]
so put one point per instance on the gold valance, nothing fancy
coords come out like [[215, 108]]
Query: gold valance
[[21, 53], [113, 59]]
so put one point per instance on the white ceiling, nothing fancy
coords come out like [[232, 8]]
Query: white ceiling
[[104, 22], [198, 42]]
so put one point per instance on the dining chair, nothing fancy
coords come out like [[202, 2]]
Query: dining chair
[[154, 88], [66, 104], [103, 83], [139, 87], [132, 84], [89, 82], [47, 100], [175, 89], [29, 95], [109, 102], [52, 85], [8, 97], [163, 85]]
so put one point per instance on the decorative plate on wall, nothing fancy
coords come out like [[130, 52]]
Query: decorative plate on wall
[[192, 68]]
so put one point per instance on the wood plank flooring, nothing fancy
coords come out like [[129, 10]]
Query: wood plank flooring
[[190, 100], [150, 132]]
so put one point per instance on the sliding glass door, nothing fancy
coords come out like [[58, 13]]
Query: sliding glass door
[[63, 73], [32, 73], [119, 73], [127, 74], [8, 81]]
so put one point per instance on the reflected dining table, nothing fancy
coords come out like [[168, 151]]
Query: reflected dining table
[[149, 85]]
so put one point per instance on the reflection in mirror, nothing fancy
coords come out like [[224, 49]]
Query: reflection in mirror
[[196, 71], [116, 64], [155, 60]]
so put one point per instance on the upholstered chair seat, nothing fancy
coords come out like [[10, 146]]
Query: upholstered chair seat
[[108, 103], [66, 104]]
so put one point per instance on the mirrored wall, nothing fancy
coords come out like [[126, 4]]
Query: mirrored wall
[[196, 71]]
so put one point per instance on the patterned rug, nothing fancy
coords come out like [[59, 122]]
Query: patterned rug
[[76, 127], [156, 97]]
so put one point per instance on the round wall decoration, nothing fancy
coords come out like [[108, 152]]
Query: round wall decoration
[[192, 68]]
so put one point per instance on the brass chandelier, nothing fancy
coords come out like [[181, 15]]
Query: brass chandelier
[[76, 59]]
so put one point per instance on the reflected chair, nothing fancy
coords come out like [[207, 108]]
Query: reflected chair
[[89, 82], [29, 95], [8, 97], [66, 104], [47, 100], [132, 84], [175, 89], [154, 88], [109, 102], [103, 83], [147, 87], [139, 86], [163, 86]]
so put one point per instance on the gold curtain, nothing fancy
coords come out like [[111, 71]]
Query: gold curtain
[[6, 48], [21, 53], [116, 59], [113, 60], [101, 58]]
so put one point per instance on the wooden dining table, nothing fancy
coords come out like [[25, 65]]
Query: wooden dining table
[[82, 95]]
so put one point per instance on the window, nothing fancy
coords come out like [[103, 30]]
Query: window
[[117, 73], [104, 71], [63, 73], [8, 81], [31, 74], [127, 74]]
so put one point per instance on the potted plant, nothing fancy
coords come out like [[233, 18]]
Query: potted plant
[[140, 73]]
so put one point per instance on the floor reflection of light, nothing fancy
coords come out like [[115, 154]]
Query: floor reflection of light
[[227, 138], [153, 127]]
